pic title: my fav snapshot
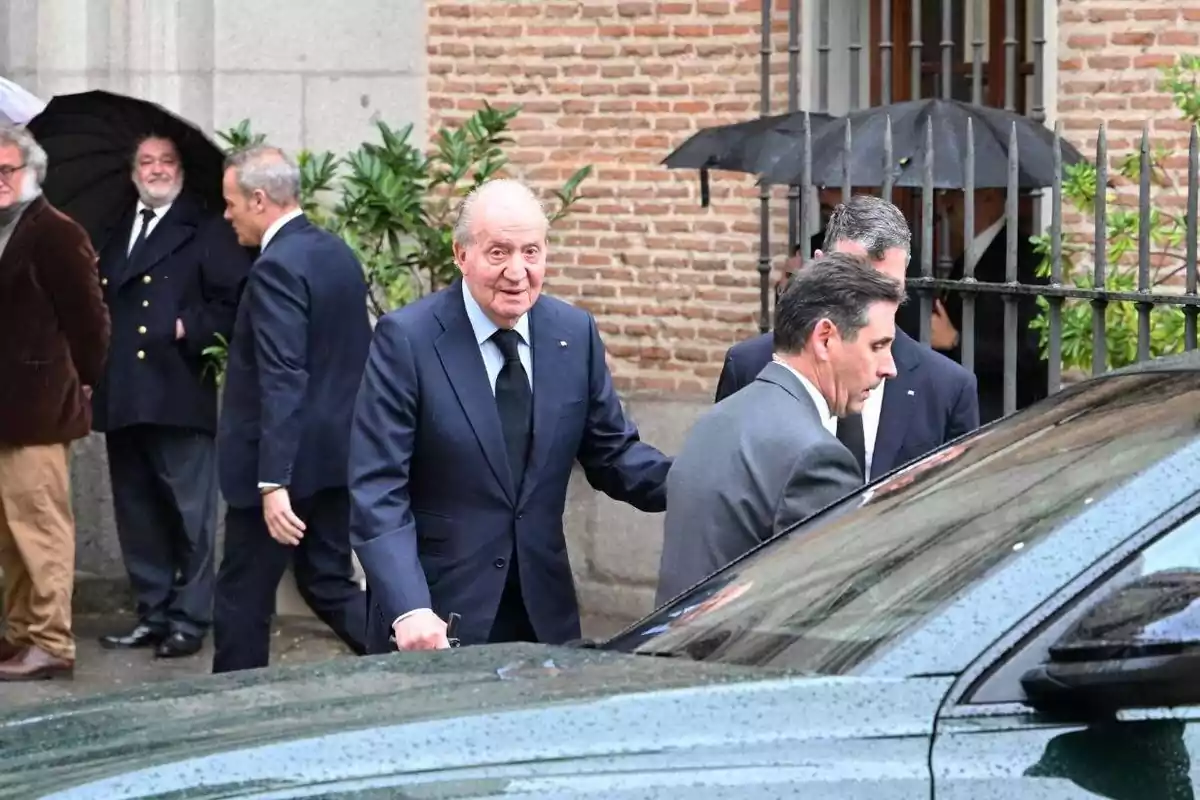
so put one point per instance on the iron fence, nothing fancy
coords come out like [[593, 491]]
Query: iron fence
[[987, 86]]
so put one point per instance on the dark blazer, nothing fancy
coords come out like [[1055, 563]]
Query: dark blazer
[[295, 362], [930, 402], [191, 268], [54, 328], [433, 512]]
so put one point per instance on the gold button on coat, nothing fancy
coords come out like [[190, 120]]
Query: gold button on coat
[[145, 279], [141, 328], [141, 354]]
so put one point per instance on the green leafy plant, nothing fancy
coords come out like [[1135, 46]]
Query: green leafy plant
[[215, 356], [1166, 230], [394, 204]]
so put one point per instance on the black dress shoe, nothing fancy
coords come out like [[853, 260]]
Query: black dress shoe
[[141, 636], [178, 645]]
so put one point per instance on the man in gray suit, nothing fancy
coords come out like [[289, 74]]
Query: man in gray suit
[[768, 456]]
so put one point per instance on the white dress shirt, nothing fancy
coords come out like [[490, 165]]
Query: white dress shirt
[[493, 359], [135, 232], [270, 232]]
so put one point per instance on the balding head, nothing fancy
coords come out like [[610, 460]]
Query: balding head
[[261, 184], [500, 246]]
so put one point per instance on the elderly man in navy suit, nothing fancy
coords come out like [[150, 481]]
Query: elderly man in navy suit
[[295, 361], [475, 404], [931, 400]]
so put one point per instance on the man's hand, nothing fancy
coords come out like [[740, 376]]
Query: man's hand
[[942, 333], [179, 331], [421, 630], [284, 526]]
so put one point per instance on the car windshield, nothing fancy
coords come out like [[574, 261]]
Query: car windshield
[[836, 591]]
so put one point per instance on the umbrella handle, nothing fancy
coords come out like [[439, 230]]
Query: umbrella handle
[[704, 193]]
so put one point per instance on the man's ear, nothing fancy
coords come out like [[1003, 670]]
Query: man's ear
[[823, 332], [818, 253]]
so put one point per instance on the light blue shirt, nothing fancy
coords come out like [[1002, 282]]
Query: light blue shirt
[[493, 359]]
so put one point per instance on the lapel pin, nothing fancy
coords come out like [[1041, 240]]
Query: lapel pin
[[561, 343], [911, 393]]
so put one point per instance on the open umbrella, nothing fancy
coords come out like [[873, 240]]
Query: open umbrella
[[992, 129], [752, 146], [18, 105], [90, 139]]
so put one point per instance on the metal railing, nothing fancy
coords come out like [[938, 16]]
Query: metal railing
[[929, 282]]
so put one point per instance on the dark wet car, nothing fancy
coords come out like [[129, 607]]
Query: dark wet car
[[1016, 615]]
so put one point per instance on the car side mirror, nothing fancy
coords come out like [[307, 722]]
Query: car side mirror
[[1101, 688], [1139, 647]]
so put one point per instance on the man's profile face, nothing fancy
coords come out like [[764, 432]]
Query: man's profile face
[[13, 172], [862, 363], [241, 211]]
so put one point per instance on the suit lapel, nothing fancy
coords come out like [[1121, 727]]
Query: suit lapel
[[171, 233], [459, 353], [550, 349], [899, 396]]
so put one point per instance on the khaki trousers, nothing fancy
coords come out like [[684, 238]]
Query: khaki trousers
[[37, 547]]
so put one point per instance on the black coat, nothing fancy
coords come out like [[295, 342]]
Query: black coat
[[295, 363], [190, 268]]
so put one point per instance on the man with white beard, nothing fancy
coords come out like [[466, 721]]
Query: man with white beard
[[171, 272], [55, 330]]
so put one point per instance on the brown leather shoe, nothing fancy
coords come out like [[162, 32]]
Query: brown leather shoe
[[35, 664], [9, 651]]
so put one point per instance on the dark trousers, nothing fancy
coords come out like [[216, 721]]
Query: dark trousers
[[164, 489], [253, 564]]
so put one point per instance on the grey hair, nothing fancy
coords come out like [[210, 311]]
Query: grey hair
[[838, 287], [463, 236], [268, 169], [31, 152], [871, 221]]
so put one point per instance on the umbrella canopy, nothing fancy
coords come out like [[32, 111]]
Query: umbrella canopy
[[17, 105], [752, 146], [948, 119], [90, 140]]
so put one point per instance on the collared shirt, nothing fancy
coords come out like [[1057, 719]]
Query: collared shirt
[[870, 418], [827, 417], [277, 224], [136, 232], [483, 327]]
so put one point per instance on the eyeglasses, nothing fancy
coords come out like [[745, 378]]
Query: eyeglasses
[[7, 171]]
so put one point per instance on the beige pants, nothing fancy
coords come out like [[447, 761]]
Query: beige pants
[[37, 547]]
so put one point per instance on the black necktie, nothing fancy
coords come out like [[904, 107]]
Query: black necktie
[[514, 400], [850, 433], [147, 216]]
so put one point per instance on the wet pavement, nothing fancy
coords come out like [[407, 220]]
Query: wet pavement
[[294, 640]]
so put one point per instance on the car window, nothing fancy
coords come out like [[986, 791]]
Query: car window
[[1149, 606], [842, 588]]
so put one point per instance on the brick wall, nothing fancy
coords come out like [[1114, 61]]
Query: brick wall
[[618, 84], [1110, 54]]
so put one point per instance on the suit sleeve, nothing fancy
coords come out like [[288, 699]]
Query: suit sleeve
[[279, 306], [383, 531], [729, 381], [68, 271], [964, 414], [614, 458], [820, 476], [224, 266]]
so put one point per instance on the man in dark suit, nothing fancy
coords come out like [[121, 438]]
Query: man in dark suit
[[295, 362], [460, 457], [767, 457], [170, 274], [990, 247], [930, 401]]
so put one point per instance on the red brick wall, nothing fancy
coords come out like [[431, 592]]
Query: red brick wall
[[1110, 53], [617, 85]]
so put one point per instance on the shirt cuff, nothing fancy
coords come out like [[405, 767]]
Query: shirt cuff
[[408, 614]]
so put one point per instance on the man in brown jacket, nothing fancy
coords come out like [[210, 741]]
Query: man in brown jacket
[[54, 331]]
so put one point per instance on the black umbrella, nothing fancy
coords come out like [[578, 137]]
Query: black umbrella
[[90, 139], [992, 128], [752, 146]]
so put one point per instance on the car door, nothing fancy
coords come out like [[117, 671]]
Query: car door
[[1125, 637]]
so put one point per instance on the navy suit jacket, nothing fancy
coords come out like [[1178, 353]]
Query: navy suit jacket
[[433, 509], [931, 401], [190, 268], [295, 361]]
